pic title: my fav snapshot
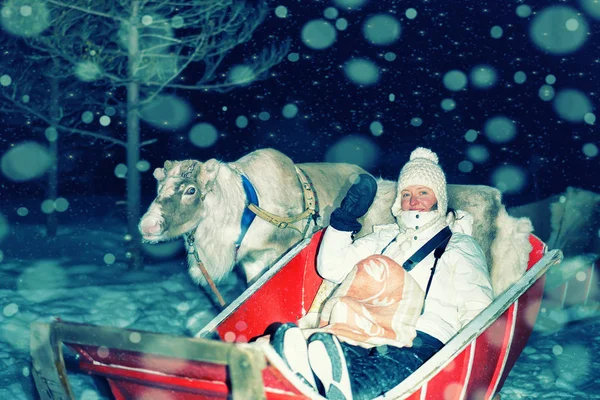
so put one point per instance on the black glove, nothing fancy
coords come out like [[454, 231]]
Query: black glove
[[359, 198]]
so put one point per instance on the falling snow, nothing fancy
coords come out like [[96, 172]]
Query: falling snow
[[505, 92]]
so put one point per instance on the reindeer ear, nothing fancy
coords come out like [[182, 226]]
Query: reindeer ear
[[208, 174], [159, 174]]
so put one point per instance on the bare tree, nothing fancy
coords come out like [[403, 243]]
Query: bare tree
[[46, 93], [139, 48]]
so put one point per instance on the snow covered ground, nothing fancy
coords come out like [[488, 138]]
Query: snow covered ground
[[81, 276]]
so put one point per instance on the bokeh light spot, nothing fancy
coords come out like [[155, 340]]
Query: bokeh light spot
[[573, 364], [331, 13], [147, 20], [167, 112], [465, 166], [229, 337], [509, 179], [104, 120], [289, 110], [572, 105], [142, 165], [483, 76], [350, 4], [354, 149], [589, 118], [500, 130], [455, 80], [177, 22], [47, 206], [318, 34], [590, 150], [471, 135], [546, 92], [376, 128], [241, 121], [559, 30], [361, 71], [121, 171], [478, 153], [416, 121], [281, 11], [25, 161], [5, 80], [25, 18], [10, 309], [103, 352], [592, 7], [109, 258], [87, 117], [557, 350], [341, 24], [382, 29], [496, 32], [61, 204], [448, 104], [411, 13], [51, 134], [203, 135], [135, 337], [523, 11], [520, 77]]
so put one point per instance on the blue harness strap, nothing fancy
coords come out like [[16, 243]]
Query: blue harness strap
[[248, 216]]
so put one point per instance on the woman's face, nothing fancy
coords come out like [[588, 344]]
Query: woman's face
[[418, 198]]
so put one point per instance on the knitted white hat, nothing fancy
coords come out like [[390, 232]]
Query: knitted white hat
[[423, 169]]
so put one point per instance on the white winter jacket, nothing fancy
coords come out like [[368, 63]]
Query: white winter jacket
[[461, 286]]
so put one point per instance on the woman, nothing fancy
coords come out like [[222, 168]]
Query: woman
[[454, 280]]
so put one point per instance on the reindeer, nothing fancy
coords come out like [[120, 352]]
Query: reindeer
[[248, 212]]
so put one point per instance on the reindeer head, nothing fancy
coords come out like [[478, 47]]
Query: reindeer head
[[179, 204]]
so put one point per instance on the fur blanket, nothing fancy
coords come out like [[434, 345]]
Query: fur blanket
[[378, 303]]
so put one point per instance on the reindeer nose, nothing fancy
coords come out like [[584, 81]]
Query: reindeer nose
[[150, 225]]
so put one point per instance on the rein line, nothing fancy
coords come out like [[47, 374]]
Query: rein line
[[189, 237]]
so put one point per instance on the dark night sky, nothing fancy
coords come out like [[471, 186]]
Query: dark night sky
[[444, 36]]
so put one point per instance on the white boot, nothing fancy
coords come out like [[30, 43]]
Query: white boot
[[328, 363]]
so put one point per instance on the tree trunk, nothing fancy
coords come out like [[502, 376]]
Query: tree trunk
[[133, 145], [52, 189]]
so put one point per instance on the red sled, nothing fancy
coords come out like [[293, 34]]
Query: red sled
[[143, 365]]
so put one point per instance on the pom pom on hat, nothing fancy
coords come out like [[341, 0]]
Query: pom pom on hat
[[422, 152], [423, 169]]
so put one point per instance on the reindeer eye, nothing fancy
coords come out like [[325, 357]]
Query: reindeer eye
[[190, 191]]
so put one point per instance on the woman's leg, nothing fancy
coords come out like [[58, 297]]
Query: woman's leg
[[386, 366]]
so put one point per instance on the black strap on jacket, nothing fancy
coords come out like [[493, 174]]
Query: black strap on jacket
[[437, 244], [439, 250], [440, 238]]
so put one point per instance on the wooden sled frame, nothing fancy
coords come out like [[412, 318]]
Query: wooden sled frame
[[137, 362]]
